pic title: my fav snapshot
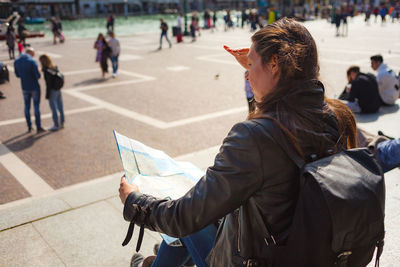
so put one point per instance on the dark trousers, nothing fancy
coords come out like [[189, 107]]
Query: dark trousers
[[35, 95], [11, 52]]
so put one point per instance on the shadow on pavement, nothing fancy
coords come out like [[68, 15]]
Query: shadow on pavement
[[23, 141], [92, 81], [373, 117]]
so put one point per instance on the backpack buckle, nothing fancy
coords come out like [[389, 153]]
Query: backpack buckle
[[345, 254], [252, 263], [342, 258]]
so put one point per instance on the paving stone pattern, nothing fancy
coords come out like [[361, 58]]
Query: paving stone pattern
[[183, 100]]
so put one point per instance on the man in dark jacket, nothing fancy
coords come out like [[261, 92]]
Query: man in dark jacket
[[27, 70], [362, 92]]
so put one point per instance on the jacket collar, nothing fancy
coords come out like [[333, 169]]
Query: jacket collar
[[381, 67]]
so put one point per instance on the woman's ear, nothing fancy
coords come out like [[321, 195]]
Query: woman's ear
[[273, 63]]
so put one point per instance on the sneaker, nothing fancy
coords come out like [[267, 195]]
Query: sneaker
[[170, 45], [53, 128], [30, 129], [62, 125], [40, 130], [137, 260], [114, 75]]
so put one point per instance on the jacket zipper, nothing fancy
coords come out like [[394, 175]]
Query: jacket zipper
[[238, 239]]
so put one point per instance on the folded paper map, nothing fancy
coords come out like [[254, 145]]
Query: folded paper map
[[154, 172]]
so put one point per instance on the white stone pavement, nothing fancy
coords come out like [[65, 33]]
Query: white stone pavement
[[82, 225]]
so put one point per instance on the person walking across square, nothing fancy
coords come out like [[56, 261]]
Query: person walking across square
[[27, 70], [10, 40], [164, 31], [249, 92], [115, 50]]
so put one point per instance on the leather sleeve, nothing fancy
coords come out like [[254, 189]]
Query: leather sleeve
[[234, 177]]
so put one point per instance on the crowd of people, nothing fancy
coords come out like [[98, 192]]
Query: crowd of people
[[252, 176]]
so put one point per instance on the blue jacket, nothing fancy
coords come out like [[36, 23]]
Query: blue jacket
[[27, 69]]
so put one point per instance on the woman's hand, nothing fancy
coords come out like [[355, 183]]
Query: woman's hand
[[240, 55], [125, 189]]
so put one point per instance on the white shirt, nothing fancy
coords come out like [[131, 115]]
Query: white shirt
[[179, 22], [115, 48], [387, 81]]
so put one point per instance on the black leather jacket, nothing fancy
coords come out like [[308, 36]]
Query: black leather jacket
[[249, 165]]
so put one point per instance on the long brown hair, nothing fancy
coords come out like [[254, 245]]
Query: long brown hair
[[297, 58], [346, 121], [46, 61]]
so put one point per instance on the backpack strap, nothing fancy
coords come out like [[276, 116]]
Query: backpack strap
[[282, 140], [379, 250]]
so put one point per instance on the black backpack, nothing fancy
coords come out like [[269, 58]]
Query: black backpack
[[4, 74], [57, 78], [339, 216]]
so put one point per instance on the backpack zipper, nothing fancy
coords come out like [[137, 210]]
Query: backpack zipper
[[238, 238]]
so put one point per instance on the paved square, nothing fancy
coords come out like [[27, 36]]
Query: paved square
[[180, 100]]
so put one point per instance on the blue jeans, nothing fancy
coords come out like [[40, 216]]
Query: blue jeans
[[114, 62], [55, 101], [35, 95], [166, 37], [196, 247], [389, 154]]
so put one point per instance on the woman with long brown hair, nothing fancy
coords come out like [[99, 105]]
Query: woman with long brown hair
[[252, 174], [102, 54], [53, 94]]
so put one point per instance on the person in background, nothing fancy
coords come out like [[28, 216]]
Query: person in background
[[20, 48], [4, 77], [337, 20], [10, 40], [179, 28], [55, 30], [101, 56], [110, 23], [271, 15], [60, 30], [52, 94], [249, 93], [214, 26], [193, 26], [164, 33], [27, 70], [22, 32], [115, 51], [361, 94], [388, 83]]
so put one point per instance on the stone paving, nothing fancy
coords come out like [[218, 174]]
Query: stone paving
[[58, 190]]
